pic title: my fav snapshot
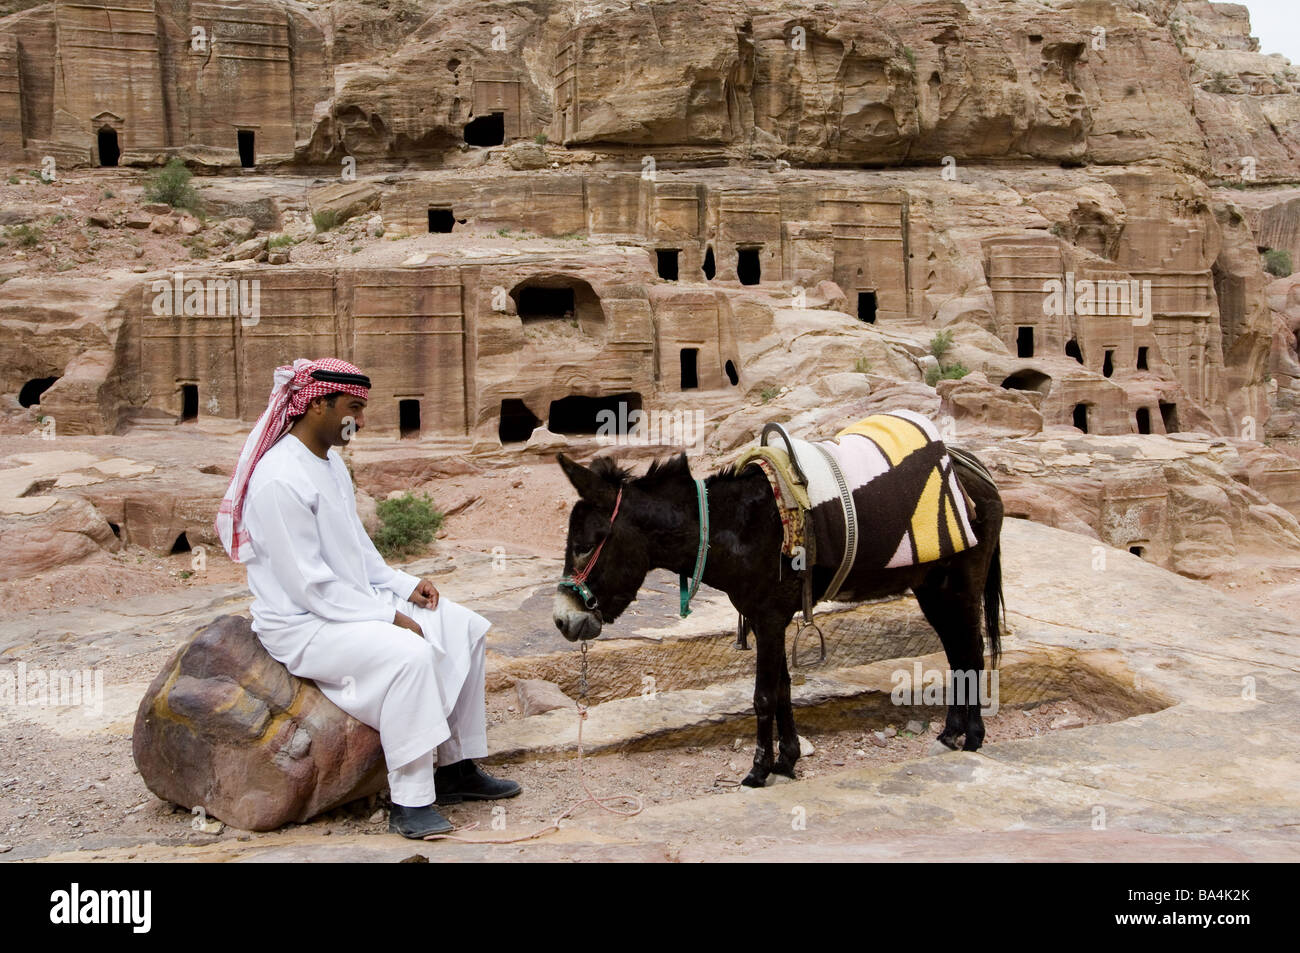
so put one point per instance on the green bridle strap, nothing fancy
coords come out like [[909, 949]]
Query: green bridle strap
[[687, 584]]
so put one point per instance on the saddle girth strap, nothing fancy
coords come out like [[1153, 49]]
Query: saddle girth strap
[[850, 526]]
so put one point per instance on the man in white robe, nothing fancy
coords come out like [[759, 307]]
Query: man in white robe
[[380, 643]]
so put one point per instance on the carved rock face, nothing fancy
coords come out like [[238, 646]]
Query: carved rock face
[[225, 727]]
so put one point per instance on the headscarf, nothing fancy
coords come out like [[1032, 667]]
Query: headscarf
[[295, 386]]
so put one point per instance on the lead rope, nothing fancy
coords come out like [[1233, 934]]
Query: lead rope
[[582, 779]]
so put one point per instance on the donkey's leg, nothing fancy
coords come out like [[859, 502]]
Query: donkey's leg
[[953, 609], [771, 649], [787, 736]]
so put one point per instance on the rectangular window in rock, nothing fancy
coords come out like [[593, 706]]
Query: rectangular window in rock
[[666, 259], [690, 368], [867, 307], [1142, 359], [1025, 341], [1081, 417], [246, 148], [748, 269], [189, 401], [441, 220]]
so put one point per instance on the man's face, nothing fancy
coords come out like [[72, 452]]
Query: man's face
[[340, 422]]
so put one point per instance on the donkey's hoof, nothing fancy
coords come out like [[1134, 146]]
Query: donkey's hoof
[[755, 779], [939, 746]]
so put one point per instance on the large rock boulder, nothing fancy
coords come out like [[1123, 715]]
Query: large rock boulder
[[225, 727]]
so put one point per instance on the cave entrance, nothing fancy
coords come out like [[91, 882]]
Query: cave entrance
[[666, 261], [182, 544], [31, 391], [867, 307], [1072, 350], [1081, 417], [1144, 419], [408, 417], [517, 421], [1028, 379], [748, 269], [441, 220], [539, 303], [189, 402], [577, 414], [690, 368], [1108, 364], [1139, 551], [1169, 414], [1142, 359], [245, 139], [732, 376], [109, 150], [710, 267], [489, 130], [1025, 341]]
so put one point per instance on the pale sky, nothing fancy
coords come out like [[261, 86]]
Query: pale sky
[[1277, 24]]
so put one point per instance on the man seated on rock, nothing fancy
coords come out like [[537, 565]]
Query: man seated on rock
[[378, 642]]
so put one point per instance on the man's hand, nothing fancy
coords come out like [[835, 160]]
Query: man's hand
[[406, 622], [424, 595]]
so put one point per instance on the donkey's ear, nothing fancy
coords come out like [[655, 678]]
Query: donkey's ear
[[589, 485]]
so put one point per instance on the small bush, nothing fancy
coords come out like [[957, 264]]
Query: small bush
[[540, 138], [27, 236], [940, 343], [407, 525], [911, 56], [768, 393], [14, 180], [279, 241], [950, 373], [862, 365], [171, 185], [109, 193], [1277, 262], [325, 219]]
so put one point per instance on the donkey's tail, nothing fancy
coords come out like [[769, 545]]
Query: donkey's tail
[[993, 599]]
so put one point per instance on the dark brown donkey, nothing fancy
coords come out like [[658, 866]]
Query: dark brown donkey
[[657, 526]]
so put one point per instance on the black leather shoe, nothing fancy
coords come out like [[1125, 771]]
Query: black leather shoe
[[466, 781], [417, 822]]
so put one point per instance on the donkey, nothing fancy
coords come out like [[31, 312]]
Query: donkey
[[657, 526]]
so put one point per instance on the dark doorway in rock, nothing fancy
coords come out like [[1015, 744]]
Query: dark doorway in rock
[[690, 368], [576, 414], [1108, 364], [182, 544], [666, 259], [537, 304], [441, 220], [245, 140], [748, 269], [408, 417], [109, 151], [867, 307], [517, 421], [189, 401], [1144, 419], [1028, 379], [732, 376], [710, 267], [1081, 417], [1139, 551], [1025, 341], [1142, 359], [117, 530], [31, 391], [489, 130], [1072, 350], [1169, 414]]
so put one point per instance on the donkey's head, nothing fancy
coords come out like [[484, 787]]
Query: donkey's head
[[608, 553]]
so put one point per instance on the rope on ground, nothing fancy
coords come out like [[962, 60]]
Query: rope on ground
[[555, 824]]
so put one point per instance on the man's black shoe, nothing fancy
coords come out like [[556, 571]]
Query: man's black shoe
[[466, 781], [417, 822]]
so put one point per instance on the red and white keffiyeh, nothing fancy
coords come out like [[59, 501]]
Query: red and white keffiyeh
[[293, 390]]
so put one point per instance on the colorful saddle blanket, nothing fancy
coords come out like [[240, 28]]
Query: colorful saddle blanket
[[882, 495]]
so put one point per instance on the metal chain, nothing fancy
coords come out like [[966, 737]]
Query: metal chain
[[582, 676]]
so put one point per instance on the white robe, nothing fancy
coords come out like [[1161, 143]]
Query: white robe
[[324, 603]]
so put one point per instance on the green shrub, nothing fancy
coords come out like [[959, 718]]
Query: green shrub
[[940, 343], [171, 185], [1277, 262], [767, 393], [950, 373], [407, 524], [27, 236], [862, 365], [911, 56], [279, 241], [325, 219], [540, 138], [14, 180]]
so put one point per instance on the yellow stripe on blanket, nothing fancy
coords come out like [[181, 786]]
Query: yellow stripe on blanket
[[895, 436]]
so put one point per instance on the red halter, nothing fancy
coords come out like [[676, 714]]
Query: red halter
[[581, 577]]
